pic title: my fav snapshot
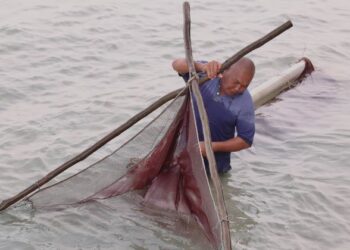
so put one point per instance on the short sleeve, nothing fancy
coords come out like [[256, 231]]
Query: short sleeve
[[246, 121], [186, 76]]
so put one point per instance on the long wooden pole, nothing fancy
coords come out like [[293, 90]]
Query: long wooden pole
[[194, 83], [257, 44], [8, 202]]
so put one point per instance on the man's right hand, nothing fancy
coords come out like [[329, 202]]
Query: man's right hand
[[212, 68]]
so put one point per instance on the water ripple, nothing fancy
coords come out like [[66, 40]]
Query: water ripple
[[72, 72]]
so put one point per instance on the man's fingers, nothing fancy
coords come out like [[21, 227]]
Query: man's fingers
[[209, 70], [202, 148], [218, 67], [211, 73], [212, 68]]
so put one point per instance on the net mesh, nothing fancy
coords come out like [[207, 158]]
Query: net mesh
[[163, 160]]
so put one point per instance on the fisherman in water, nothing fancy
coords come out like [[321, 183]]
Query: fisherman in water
[[229, 107]]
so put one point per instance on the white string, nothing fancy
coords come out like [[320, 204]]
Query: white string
[[195, 76]]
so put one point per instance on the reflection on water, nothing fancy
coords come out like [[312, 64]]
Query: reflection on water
[[71, 73]]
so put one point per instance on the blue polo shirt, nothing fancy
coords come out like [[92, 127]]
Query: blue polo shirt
[[228, 116]]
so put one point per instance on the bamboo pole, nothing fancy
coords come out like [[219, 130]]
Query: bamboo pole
[[8, 202], [194, 83]]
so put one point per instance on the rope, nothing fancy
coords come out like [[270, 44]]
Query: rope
[[194, 76]]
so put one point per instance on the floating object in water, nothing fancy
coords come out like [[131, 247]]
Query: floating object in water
[[288, 79]]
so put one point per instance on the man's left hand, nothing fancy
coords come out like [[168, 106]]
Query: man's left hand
[[202, 148]]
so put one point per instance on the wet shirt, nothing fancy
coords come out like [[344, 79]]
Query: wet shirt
[[228, 116]]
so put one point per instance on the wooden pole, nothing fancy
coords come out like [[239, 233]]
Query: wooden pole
[[194, 83], [257, 44], [8, 202]]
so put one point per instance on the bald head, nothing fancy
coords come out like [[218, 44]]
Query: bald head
[[238, 77], [246, 67]]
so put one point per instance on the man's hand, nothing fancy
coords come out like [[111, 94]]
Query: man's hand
[[212, 68], [232, 145], [202, 149]]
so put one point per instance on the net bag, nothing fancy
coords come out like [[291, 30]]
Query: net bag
[[163, 160]]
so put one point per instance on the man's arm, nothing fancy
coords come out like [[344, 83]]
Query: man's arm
[[180, 66], [231, 145], [211, 68]]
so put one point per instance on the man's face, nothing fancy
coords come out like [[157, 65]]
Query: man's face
[[234, 81]]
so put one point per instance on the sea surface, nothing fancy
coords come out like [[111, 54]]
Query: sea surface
[[72, 71]]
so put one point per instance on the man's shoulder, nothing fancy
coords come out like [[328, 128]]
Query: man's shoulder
[[210, 85], [247, 96], [244, 97], [243, 101]]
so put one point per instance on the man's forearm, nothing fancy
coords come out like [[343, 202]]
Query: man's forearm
[[180, 66], [231, 145]]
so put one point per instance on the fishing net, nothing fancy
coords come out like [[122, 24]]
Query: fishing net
[[163, 160]]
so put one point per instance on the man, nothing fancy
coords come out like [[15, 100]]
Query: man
[[229, 107]]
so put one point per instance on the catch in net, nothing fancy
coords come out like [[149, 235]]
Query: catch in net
[[163, 160]]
